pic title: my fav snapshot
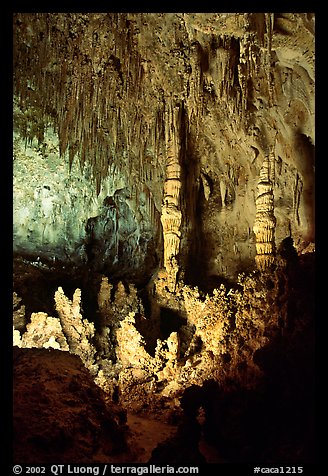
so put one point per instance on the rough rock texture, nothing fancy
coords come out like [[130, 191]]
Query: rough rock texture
[[42, 331], [265, 221], [164, 215], [19, 319], [254, 341], [139, 97], [79, 331], [60, 415], [171, 216]]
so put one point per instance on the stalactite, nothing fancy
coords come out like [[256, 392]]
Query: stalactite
[[269, 21], [247, 70], [73, 89], [87, 84], [265, 221], [297, 197]]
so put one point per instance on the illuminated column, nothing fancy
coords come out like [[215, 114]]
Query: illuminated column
[[171, 214], [265, 221]]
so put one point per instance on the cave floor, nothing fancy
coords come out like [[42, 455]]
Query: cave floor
[[147, 432]]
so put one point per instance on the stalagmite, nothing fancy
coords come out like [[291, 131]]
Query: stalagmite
[[77, 331], [171, 214], [265, 221]]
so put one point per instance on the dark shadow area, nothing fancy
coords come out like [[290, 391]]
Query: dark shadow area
[[281, 24], [273, 422], [115, 245], [196, 260], [61, 414], [183, 447], [36, 283], [170, 321], [192, 193]]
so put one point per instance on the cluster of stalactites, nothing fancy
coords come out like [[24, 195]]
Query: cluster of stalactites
[[265, 221], [79, 72], [82, 72]]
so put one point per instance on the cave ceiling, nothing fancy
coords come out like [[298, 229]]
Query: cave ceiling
[[116, 114]]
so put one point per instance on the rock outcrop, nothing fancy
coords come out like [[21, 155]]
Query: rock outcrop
[[61, 415], [42, 331], [79, 332]]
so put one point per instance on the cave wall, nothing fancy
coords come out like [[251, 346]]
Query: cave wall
[[105, 103], [59, 217]]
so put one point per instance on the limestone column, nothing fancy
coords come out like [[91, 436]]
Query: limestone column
[[265, 221], [171, 215]]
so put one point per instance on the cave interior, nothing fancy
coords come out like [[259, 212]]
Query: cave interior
[[163, 238]]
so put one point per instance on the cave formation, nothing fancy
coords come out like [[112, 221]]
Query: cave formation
[[163, 237]]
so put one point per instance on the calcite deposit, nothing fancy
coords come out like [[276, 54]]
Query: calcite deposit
[[164, 233], [171, 216], [150, 137], [265, 220]]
